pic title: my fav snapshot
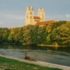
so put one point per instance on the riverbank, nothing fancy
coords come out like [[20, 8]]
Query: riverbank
[[40, 63], [11, 64]]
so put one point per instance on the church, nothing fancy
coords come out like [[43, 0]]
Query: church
[[31, 19]]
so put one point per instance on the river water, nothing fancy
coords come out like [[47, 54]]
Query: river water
[[57, 57]]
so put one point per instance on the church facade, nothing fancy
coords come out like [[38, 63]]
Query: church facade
[[31, 19]]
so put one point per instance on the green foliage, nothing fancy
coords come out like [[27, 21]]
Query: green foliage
[[10, 64], [57, 32]]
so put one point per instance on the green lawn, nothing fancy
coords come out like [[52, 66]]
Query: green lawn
[[9, 64]]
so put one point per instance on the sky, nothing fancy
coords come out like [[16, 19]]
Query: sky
[[12, 12]]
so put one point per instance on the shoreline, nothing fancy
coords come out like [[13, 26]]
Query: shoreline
[[40, 63]]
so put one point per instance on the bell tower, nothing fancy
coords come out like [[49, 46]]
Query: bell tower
[[29, 17], [41, 14]]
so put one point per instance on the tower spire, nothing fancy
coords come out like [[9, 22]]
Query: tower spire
[[29, 16], [41, 14]]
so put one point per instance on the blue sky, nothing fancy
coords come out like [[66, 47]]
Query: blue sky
[[12, 12]]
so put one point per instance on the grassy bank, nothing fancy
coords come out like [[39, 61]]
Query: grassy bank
[[9, 64]]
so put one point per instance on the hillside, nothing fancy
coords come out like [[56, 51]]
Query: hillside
[[53, 33]]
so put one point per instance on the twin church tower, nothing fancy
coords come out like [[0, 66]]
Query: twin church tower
[[31, 19]]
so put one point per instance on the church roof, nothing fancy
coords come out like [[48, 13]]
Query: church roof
[[44, 23], [36, 17]]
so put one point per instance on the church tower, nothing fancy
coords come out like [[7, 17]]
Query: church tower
[[29, 17], [41, 14]]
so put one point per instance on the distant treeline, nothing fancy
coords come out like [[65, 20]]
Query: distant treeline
[[56, 33]]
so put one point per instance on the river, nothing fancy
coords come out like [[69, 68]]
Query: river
[[57, 57]]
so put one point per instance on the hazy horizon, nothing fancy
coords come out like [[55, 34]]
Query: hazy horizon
[[12, 12]]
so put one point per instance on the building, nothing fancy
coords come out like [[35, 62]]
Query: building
[[31, 19]]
